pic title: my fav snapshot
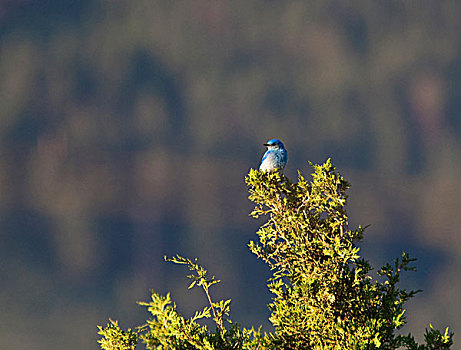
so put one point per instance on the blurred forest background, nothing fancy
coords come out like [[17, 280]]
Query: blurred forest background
[[127, 128]]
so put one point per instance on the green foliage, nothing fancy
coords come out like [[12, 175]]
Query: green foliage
[[324, 296], [168, 330], [434, 340], [115, 338]]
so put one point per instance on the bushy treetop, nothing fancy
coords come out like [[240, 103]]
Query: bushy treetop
[[324, 294]]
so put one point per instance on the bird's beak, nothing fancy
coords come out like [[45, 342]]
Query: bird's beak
[[266, 144]]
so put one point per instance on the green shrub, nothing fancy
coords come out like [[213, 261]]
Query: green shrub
[[324, 295]]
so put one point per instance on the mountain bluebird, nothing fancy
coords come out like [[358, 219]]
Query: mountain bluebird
[[275, 157]]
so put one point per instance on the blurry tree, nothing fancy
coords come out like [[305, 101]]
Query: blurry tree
[[135, 121]]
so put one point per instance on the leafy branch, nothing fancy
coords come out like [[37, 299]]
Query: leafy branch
[[200, 279]]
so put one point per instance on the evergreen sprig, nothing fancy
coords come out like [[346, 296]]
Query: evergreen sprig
[[114, 338]]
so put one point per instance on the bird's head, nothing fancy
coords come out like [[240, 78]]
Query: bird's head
[[274, 144]]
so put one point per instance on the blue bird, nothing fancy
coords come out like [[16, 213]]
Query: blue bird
[[276, 156]]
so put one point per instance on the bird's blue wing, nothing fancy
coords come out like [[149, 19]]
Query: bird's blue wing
[[284, 157]]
